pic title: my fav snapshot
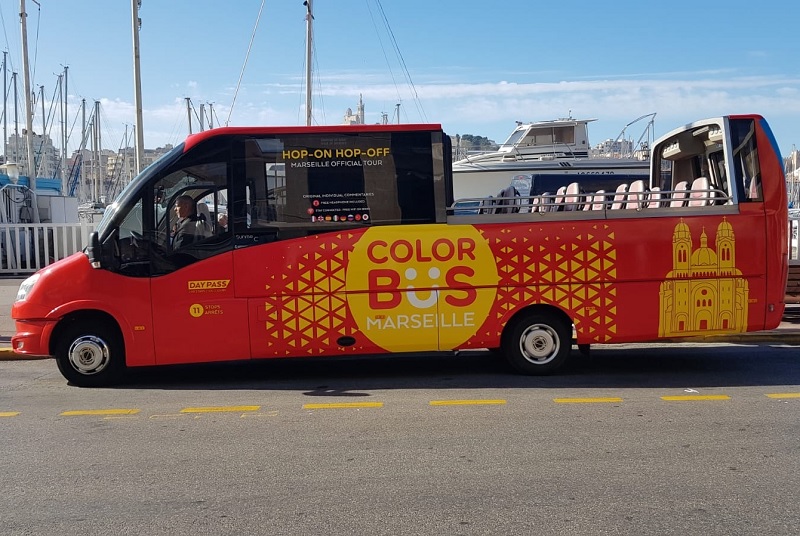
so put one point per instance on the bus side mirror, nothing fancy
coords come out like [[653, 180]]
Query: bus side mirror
[[94, 251]]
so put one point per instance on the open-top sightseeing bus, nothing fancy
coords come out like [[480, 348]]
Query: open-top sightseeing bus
[[343, 240]]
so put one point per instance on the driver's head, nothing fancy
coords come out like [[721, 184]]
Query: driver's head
[[184, 206]]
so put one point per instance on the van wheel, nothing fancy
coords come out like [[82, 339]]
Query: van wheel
[[90, 356], [537, 343]]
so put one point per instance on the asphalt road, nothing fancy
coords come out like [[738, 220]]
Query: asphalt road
[[638, 439]]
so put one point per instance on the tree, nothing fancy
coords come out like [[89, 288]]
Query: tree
[[477, 143]]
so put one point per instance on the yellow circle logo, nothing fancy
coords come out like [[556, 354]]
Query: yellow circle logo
[[196, 310], [427, 290]]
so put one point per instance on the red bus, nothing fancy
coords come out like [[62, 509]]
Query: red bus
[[344, 240]]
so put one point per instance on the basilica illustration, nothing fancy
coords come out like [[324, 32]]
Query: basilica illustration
[[704, 293]]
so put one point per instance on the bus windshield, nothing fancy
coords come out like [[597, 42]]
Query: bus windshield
[[132, 188]]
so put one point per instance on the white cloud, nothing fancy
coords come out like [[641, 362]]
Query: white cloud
[[484, 108]]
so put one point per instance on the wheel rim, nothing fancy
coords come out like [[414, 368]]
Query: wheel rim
[[89, 354], [539, 344]]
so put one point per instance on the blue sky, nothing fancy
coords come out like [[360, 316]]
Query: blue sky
[[476, 67]]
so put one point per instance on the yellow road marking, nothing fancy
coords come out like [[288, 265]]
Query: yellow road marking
[[686, 398], [221, 409], [784, 395], [339, 405], [476, 402], [596, 400], [99, 412], [9, 413]]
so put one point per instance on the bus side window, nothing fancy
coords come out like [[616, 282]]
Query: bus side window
[[745, 160], [718, 175], [264, 179]]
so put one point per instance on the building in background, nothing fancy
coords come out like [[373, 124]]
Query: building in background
[[46, 156], [357, 118]]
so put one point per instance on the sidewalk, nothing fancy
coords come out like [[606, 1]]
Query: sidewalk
[[787, 333]]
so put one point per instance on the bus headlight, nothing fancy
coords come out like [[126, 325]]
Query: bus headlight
[[26, 286]]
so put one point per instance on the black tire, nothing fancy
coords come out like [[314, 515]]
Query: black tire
[[90, 354], [537, 343], [496, 352]]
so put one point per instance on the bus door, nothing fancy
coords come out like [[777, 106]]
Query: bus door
[[196, 316]]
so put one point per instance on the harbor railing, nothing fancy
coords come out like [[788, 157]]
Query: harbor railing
[[28, 247]]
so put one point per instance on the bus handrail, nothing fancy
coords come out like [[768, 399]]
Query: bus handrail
[[557, 202]]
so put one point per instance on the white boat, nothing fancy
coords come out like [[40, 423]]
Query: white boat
[[550, 149]]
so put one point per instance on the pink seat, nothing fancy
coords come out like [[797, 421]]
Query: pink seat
[[679, 195], [572, 197], [700, 194], [599, 200], [558, 204], [636, 195], [654, 199], [588, 204], [619, 197]]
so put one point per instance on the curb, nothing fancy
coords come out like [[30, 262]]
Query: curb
[[8, 354], [785, 336]]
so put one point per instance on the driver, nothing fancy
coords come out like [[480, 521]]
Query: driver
[[185, 231]]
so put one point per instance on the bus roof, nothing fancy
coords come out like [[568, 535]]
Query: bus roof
[[194, 139]]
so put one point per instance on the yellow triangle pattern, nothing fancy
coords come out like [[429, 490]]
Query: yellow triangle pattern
[[575, 273]]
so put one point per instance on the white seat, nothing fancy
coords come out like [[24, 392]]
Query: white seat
[[619, 197], [679, 195], [572, 197], [700, 193], [754, 189], [204, 223], [599, 200], [654, 199], [558, 204], [546, 203], [636, 195]]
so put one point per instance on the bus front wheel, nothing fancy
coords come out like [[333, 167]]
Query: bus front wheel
[[537, 343], [90, 356]]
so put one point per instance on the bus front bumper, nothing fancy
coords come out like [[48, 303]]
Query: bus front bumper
[[32, 336]]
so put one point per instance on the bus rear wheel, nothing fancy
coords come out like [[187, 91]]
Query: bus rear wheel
[[90, 356], [537, 343]]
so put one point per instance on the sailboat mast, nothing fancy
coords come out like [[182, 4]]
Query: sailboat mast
[[137, 86], [27, 81], [96, 151], [64, 138], [42, 154], [189, 113], [82, 149], [125, 172], [309, 35], [16, 116], [5, 107]]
